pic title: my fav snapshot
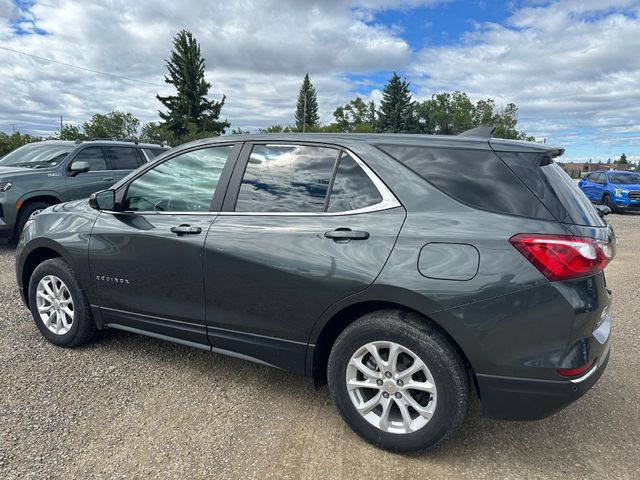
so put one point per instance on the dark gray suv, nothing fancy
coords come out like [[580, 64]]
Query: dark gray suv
[[405, 271], [40, 174]]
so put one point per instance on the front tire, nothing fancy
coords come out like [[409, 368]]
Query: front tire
[[398, 381], [606, 201], [59, 306]]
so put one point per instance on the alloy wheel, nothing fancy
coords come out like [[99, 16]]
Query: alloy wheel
[[391, 387], [55, 304]]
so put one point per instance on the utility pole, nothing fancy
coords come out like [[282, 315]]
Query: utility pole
[[60, 124], [304, 115], [14, 127]]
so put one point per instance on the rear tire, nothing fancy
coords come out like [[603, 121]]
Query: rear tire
[[435, 398], [25, 212], [59, 306]]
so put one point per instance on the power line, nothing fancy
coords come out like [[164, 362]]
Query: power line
[[81, 68]]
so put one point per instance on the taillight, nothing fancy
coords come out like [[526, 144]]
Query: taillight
[[574, 372], [560, 257]]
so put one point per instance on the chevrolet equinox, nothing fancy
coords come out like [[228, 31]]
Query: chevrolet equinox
[[405, 271]]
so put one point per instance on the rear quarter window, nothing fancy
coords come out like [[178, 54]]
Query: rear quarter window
[[475, 177]]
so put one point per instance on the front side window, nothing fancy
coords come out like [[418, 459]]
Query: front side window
[[352, 189], [625, 178], [185, 183], [286, 178], [122, 158], [93, 156]]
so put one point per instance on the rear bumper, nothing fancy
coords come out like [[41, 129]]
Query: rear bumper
[[510, 398]]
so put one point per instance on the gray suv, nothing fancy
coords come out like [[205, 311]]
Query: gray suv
[[40, 174], [407, 272]]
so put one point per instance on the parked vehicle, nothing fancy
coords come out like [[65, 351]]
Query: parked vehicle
[[618, 190], [405, 271], [40, 174]]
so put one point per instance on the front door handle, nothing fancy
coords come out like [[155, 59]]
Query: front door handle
[[108, 179], [186, 230], [346, 234]]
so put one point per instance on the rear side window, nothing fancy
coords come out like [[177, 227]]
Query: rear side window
[[475, 177], [153, 152], [286, 178], [352, 188], [122, 158], [93, 156]]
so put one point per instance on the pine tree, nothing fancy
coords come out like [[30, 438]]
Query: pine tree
[[307, 111], [397, 107], [190, 112], [623, 159]]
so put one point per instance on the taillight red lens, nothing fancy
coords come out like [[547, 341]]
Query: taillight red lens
[[574, 372], [560, 257]]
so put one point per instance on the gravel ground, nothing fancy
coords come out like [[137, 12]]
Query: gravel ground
[[133, 407]]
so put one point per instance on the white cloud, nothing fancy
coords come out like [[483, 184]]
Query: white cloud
[[256, 53], [570, 66]]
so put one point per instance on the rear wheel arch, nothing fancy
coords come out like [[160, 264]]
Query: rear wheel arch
[[343, 318]]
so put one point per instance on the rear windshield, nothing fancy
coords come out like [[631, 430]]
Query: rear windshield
[[624, 178], [36, 155]]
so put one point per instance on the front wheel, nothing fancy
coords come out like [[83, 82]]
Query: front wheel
[[59, 306], [398, 381], [606, 201]]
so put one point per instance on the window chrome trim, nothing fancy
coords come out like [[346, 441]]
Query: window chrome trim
[[388, 201]]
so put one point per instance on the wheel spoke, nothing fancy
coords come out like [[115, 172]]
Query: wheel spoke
[[406, 416], [422, 386], [44, 296], [355, 384], [369, 405], [366, 371], [373, 350], [68, 313], [45, 308], [423, 411], [384, 416], [46, 285], [416, 367], [392, 362]]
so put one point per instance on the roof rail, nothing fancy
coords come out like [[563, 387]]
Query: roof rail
[[479, 132], [103, 139]]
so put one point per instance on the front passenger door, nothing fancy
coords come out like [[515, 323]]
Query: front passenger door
[[97, 178], [146, 261]]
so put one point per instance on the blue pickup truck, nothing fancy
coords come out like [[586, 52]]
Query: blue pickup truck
[[618, 190]]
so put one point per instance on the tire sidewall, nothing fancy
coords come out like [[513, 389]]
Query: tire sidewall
[[53, 267], [437, 361]]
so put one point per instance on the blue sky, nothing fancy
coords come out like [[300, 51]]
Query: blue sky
[[571, 66]]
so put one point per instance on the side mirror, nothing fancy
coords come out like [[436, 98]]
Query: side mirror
[[79, 167], [104, 200], [603, 210]]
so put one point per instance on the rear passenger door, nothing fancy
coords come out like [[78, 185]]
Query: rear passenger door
[[97, 178], [303, 226], [121, 161]]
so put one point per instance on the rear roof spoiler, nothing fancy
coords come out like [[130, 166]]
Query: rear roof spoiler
[[479, 132]]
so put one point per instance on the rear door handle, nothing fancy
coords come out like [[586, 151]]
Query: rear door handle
[[346, 234], [186, 230]]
